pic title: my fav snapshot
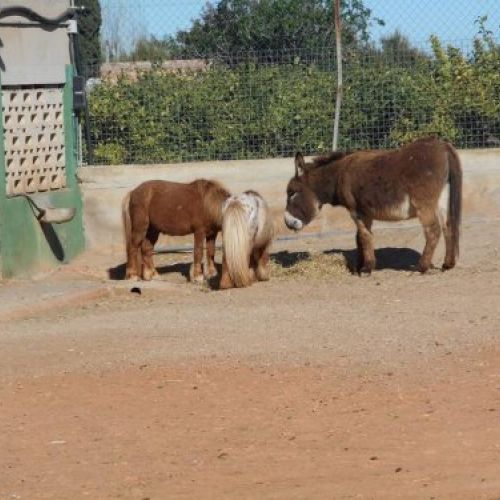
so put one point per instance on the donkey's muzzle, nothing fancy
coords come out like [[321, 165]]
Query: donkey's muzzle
[[292, 222]]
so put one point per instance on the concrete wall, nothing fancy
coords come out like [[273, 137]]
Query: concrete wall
[[104, 187], [34, 53]]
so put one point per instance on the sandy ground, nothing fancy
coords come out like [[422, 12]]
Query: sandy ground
[[298, 388]]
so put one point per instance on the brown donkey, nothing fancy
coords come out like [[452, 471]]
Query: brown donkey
[[175, 209], [390, 185]]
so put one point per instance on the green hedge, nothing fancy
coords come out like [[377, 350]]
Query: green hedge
[[258, 111]]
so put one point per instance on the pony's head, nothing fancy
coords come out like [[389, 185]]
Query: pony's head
[[302, 204]]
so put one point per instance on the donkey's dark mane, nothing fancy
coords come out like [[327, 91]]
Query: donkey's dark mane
[[322, 160]]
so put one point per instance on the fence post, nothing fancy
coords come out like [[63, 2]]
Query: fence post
[[338, 100]]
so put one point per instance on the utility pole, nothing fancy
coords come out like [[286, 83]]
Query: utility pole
[[338, 100]]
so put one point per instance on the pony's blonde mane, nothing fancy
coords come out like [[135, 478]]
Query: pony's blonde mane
[[237, 243], [213, 194]]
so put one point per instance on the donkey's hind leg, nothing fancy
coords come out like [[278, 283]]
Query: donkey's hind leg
[[450, 257], [432, 231], [147, 247]]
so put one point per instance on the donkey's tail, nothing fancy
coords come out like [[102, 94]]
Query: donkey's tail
[[455, 199], [236, 243], [127, 225]]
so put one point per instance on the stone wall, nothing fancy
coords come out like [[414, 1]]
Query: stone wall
[[104, 187]]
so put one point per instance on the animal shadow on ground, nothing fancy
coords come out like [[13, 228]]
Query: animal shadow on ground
[[397, 259], [118, 272], [182, 268], [286, 259]]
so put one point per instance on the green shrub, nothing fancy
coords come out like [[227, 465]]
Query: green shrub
[[111, 153], [257, 111]]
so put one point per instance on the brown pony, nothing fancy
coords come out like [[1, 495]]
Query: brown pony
[[247, 232], [175, 209], [389, 185]]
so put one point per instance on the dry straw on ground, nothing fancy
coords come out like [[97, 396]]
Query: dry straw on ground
[[306, 265]]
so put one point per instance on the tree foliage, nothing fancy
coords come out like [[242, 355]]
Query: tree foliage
[[230, 27], [257, 111], [89, 25]]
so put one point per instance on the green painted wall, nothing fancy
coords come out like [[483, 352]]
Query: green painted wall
[[26, 245]]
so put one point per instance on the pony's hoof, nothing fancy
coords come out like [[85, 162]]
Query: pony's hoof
[[199, 279], [447, 266], [148, 275], [132, 277], [262, 274], [211, 274], [225, 284]]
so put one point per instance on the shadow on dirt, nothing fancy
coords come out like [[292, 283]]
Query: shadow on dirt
[[288, 259], [397, 259], [178, 268]]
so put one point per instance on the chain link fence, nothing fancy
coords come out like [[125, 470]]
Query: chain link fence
[[182, 80]]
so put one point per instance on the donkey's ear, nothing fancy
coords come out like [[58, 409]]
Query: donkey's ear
[[300, 164]]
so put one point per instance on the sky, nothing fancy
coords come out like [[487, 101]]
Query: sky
[[450, 20]]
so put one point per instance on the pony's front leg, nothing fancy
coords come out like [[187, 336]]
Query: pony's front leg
[[147, 248], [225, 280], [261, 259], [134, 264], [196, 271], [134, 259], [364, 243], [211, 272]]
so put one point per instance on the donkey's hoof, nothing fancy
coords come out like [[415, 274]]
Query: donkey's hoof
[[365, 271], [427, 268]]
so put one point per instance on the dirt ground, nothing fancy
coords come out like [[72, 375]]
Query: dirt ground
[[333, 386]]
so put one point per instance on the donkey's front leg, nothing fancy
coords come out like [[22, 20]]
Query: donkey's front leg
[[364, 243], [196, 272]]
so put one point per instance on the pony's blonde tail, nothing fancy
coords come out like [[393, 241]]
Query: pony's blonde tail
[[127, 225], [236, 244]]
